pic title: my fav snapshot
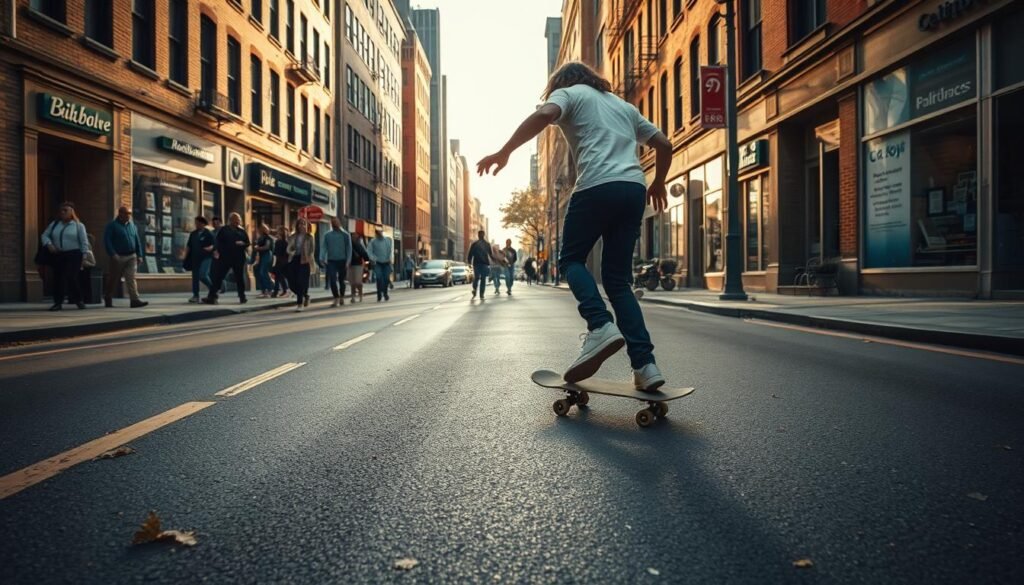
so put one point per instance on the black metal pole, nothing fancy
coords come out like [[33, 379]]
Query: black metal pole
[[733, 250], [558, 234]]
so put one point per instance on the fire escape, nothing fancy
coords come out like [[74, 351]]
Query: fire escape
[[638, 52]]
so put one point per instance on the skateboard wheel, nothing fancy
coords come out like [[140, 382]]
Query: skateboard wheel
[[661, 409], [645, 417], [582, 399], [561, 407]]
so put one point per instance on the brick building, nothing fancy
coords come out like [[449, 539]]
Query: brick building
[[416, 75], [172, 107], [880, 138], [370, 36]]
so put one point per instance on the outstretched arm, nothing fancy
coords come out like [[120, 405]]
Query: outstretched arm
[[656, 194], [531, 126]]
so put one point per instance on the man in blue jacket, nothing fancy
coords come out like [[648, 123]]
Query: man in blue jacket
[[335, 256], [479, 255], [124, 247]]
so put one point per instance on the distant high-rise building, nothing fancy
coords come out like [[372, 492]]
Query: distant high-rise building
[[553, 33], [534, 179], [415, 146]]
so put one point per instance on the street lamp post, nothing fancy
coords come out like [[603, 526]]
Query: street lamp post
[[733, 252], [559, 185]]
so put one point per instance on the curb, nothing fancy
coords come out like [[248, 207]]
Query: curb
[[52, 333], [994, 343]]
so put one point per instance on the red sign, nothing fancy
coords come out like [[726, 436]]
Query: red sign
[[311, 213], [712, 97]]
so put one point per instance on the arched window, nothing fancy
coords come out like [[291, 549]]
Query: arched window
[[714, 40], [662, 17], [695, 76], [664, 103], [677, 93]]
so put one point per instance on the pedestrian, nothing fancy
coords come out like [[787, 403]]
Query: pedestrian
[[544, 271], [301, 255], [264, 251], [498, 265], [230, 245], [199, 256], [124, 246], [530, 268], [479, 255], [381, 251], [335, 256], [218, 223], [511, 257], [66, 241], [608, 203], [355, 270], [410, 271], [280, 270]]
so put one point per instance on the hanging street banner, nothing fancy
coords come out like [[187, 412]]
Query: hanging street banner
[[712, 97]]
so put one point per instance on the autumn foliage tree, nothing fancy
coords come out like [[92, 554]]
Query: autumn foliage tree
[[527, 213]]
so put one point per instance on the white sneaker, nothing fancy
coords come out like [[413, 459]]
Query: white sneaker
[[335, 303], [298, 309], [598, 345], [648, 378]]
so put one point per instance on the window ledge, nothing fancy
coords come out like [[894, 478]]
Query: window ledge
[[274, 138], [257, 128], [290, 146], [100, 48], [179, 88], [275, 41], [805, 43], [237, 5], [49, 22], [753, 80], [256, 22], [678, 19], [139, 67]]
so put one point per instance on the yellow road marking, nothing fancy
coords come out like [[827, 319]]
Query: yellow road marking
[[13, 483], [354, 341], [406, 320], [256, 381], [995, 357]]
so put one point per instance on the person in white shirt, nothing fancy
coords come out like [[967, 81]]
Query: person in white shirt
[[608, 202], [67, 242], [381, 251]]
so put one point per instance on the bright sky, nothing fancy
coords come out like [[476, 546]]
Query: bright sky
[[495, 56]]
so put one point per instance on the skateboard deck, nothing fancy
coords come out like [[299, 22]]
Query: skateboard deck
[[578, 394]]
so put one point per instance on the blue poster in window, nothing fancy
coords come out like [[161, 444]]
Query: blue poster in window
[[887, 215]]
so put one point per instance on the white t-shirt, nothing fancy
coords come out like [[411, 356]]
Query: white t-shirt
[[603, 132]]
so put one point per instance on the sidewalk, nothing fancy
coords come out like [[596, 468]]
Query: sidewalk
[[976, 324], [25, 322]]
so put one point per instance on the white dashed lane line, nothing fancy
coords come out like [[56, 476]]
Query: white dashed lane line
[[257, 380], [353, 341]]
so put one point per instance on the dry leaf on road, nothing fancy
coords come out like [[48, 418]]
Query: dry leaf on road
[[114, 453], [150, 531], [406, 564], [803, 563], [977, 496], [653, 571]]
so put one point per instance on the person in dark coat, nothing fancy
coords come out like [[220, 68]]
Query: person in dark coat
[[199, 256], [231, 243]]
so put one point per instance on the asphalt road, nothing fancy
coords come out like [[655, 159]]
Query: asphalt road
[[427, 441]]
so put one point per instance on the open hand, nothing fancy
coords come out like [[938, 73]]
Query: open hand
[[657, 196], [497, 160]]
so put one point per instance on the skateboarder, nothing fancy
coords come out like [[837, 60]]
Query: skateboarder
[[608, 202]]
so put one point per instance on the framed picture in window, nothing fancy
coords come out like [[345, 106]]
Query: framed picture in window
[[936, 201]]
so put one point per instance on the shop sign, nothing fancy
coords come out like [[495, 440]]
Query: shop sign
[[264, 179], [321, 196], [945, 12], [311, 213], [887, 223], [78, 116], [944, 78], [233, 168], [754, 154], [712, 97], [183, 148]]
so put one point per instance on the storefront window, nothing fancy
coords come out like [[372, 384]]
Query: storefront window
[[1009, 46], [713, 217], [921, 194], [166, 204], [753, 231]]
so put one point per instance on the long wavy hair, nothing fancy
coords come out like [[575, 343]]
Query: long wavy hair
[[575, 73]]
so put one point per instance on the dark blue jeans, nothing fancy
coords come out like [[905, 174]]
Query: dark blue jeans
[[480, 272], [612, 211]]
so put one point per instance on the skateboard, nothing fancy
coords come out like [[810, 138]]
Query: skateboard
[[579, 394]]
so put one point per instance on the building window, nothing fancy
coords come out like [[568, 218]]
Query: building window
[[291, 113], [677, 93], [695, 77], [806, 16], [715, 40], [317, 152], [677, 8], [177, 41], [758, 213], [234, 76], [664, 103], [275, 26], [303, 34], [305, 123], [662, 18], [99, 22], [256, 81], [328, 130], [256, 10], [650, 105], [327, 66], [165, 202], [275, 103], [751, 37], [289, 26], [207, 57], [52, 8], [316, 51], [142, 33]]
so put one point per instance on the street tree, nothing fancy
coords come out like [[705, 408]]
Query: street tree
[[527, 213]]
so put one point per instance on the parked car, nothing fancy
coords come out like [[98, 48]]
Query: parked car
[[432, 272], [461, 273]]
